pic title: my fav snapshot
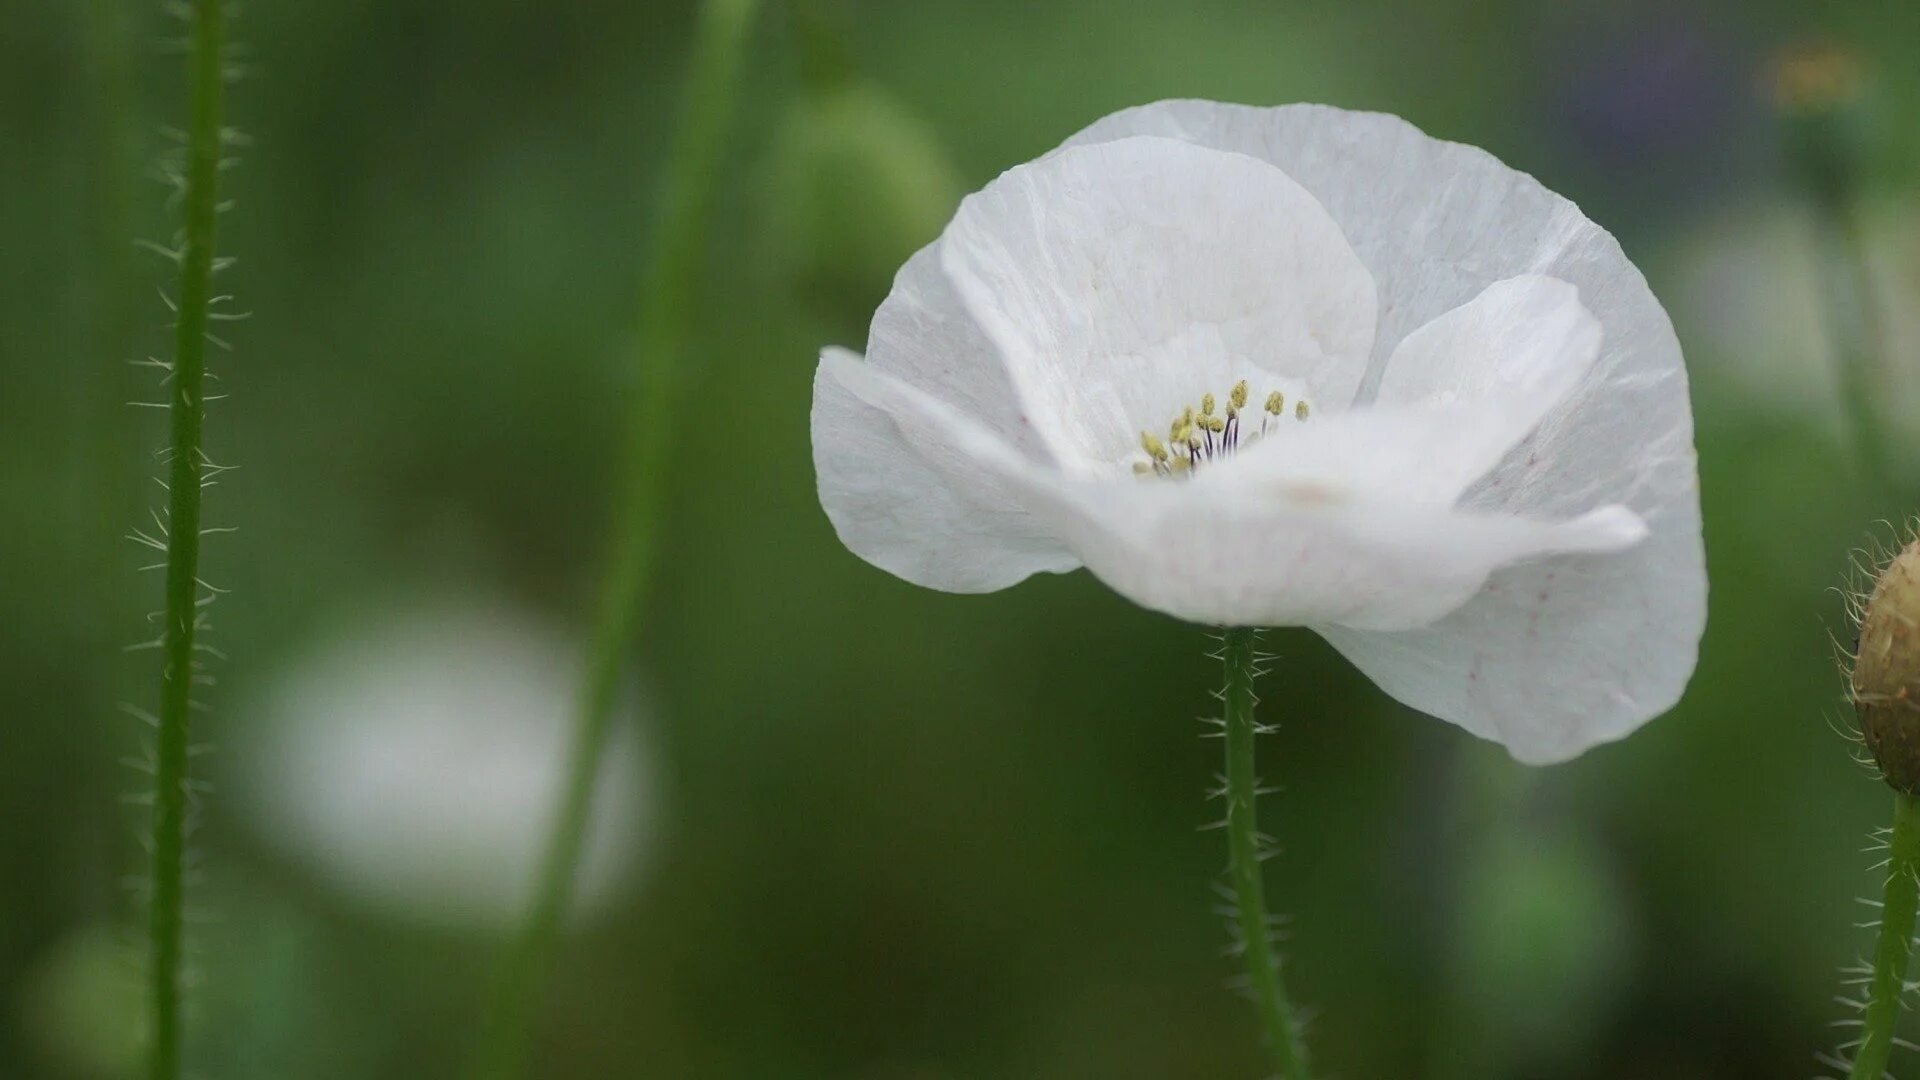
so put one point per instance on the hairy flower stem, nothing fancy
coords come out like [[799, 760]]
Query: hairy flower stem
[[1890, 954], [666, 302], [187, 409], [1284, 1043]]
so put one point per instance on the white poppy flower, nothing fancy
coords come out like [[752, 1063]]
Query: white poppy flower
[[416, 764], [1296, 366]]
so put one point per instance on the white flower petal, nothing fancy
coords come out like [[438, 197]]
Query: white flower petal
[[1507, 358], [893, 506], [923, 335], [1292, 559], [911, 502], [1123, 279], [1559, 654], [1226, 549], [1422, 455], [1526, 336], [1550, 657]]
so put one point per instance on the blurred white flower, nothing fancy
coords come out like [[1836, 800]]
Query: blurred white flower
[[415, 763], [1296, 366]]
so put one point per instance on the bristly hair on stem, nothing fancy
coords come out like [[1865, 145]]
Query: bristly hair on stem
[[683, 210], [1882, 981], [188, 472], [1252, 927]]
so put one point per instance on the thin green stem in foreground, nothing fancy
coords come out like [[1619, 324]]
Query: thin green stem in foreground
[[180, 620], [1892, 951], [1284, 1043], [665, 310]]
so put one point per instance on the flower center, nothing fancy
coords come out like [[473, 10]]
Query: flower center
[[1201, 435]]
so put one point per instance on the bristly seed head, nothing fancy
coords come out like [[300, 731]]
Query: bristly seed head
[[1886, 675]]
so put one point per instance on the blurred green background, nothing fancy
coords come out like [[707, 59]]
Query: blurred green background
[[869, 831]]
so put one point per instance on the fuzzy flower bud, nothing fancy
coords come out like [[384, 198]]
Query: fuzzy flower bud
[[1886, 674], [1819, 91], [856, 183]]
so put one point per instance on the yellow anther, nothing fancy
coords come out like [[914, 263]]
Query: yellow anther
[[1300, 411], [1151, 443], [1206, 405], [1216, 425], [1142, 468], [1275, 402], [1237, 400], [1181, 464]]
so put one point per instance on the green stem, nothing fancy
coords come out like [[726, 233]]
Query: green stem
[[684, 206], [1822, 139], [1890, 954], [206, 69], [1284, 1044], [1846, 284]]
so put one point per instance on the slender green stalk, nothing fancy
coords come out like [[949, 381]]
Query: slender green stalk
[[1891, 953], [1819, 91], [187, 407], [1846, 285], [1284, 1043], [665, 317]]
